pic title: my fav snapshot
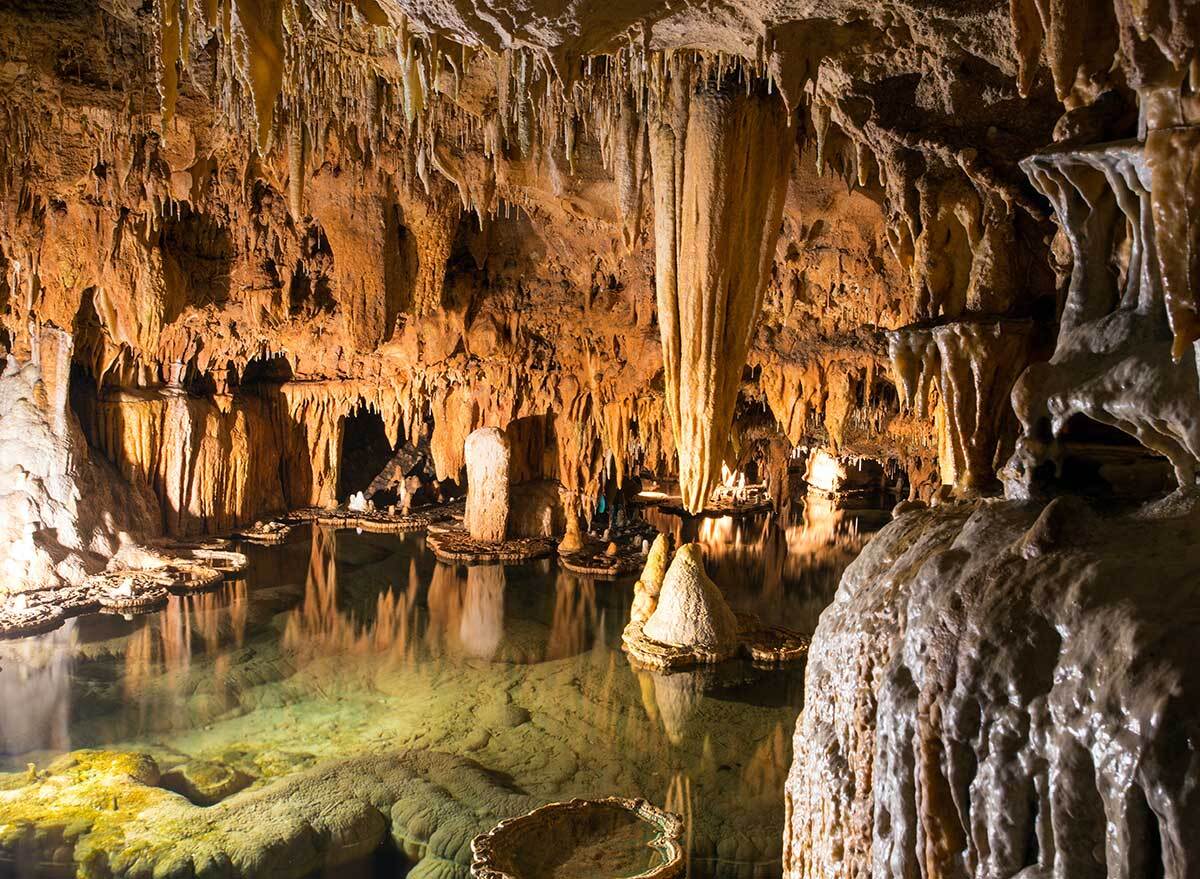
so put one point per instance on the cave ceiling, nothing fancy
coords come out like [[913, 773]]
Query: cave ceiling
[[456, 208]]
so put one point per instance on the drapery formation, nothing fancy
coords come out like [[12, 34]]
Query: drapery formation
[[719, 158]]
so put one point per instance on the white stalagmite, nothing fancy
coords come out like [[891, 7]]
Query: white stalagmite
[[691, 610], [487, 454], [720, 162]]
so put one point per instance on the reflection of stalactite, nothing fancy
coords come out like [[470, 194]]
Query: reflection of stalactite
[[35, 691], [574, 616], [445, 600], [318, 627], [767, 768], [679, 800], [159, 656]]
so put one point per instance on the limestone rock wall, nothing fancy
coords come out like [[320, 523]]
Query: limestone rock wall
[[285, 210], [994, 691], [416, 205], [63, 514]]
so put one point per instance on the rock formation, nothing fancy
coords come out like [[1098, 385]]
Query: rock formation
[[720, 161], [974, 365], [994, 691], [649, 585], [426, 803], [256, 255], [691, 611], [1121, 357], [487, 455], [64, 514]]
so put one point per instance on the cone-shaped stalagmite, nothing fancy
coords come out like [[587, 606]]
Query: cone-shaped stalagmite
[[720, 161], [691, 610]]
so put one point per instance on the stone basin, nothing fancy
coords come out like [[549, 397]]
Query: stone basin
[[612, 838]]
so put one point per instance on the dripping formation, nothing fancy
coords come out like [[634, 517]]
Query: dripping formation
[[268, 257]]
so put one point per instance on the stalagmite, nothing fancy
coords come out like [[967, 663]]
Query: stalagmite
[[487, 455], [691, 611], [720, 160], [648, 586], [573, 539]]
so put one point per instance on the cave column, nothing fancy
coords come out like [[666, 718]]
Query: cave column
[[488, 456], [973, 364], [720, 158]]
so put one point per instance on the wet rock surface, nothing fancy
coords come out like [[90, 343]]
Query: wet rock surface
[[972, 691]]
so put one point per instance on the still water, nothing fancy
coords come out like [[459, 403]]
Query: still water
[[339, 645]]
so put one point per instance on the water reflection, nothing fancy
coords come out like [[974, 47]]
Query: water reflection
[[577, 625], [339, 644], [158, 654], [35, 692], [782, 570], [319, 627]]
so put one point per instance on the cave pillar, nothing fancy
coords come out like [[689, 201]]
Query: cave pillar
[[488, 456], [720, 159], [974, 365]]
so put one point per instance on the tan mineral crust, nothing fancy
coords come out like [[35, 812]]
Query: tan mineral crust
[[532, 254]]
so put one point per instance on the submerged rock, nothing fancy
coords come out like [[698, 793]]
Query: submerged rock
[[92, 808], [612, 838], [206, 782]]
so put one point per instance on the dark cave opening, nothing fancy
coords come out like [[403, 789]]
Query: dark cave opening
[[198, 254], [366, 451], [1105, 461]]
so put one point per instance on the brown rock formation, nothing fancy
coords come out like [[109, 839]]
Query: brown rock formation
[[248, 247], [487, 455]]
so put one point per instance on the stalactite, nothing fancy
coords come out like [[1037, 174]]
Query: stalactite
[[1173, 159], [720, 162], [974, 365], [261, 59], [1113, 359], [629, 165]]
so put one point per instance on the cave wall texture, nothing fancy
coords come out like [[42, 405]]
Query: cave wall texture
[[957, 237], [254, 218]]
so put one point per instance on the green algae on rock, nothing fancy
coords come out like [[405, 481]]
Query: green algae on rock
[[103, 813]]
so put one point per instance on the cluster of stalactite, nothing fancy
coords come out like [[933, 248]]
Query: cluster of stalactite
[[298, 210]]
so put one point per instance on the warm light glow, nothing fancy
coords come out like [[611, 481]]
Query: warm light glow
[[824, 471]]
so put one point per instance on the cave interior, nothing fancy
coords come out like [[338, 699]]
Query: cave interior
[[637, 439]]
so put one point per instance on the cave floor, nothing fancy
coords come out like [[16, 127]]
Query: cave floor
[[338, 645]]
